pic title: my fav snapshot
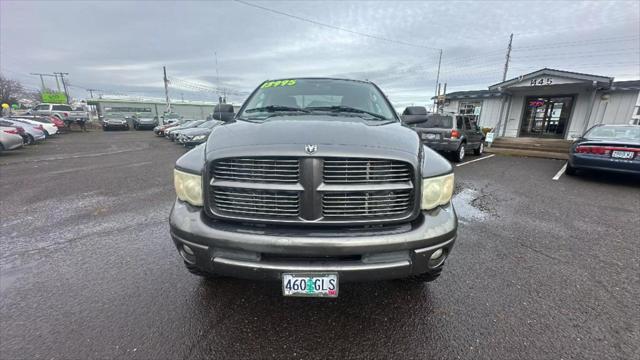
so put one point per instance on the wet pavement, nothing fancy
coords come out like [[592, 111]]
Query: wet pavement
[[542, 269]]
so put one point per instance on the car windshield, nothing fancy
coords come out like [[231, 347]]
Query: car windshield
[[614, 133], [317, 96]]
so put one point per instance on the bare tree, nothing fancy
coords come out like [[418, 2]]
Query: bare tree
[[13, 92], [10, 90]]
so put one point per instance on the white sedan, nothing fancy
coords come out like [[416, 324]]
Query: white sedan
[[49, 129]]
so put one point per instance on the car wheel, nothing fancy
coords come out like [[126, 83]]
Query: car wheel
[[570, 170], [458, 156], [480, 148], [30, 140]]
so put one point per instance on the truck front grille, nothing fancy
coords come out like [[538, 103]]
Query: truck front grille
[[362, 171], [340, 191], [277, 170], [366, 204], [250, 202]]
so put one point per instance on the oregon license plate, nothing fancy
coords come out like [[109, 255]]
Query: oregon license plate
[[622, 154], [310, 284]]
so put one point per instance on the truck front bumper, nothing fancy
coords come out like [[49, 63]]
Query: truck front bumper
[[356, 254]]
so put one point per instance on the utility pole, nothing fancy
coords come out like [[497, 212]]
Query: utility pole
[[64, 85], [91, 92], [166, 88], [435, 103], [41, 78], [215, 54], [506, 63], [57, 82]]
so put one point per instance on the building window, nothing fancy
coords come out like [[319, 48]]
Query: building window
[[470, 108]]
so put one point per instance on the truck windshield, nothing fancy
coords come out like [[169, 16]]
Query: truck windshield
[[317, 96]]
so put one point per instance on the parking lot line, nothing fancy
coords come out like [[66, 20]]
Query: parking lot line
[[560, 172], [472, 161]]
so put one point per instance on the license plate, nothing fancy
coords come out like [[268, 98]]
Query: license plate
[[429, 136], [310, 284], [622, 154]]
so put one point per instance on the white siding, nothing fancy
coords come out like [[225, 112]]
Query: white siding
[[490, 112], [616, 109]]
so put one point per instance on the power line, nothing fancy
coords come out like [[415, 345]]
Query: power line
[[371, 36]]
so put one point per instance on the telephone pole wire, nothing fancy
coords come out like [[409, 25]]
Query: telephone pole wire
[[91, 92], [41, 78], [507, 58]]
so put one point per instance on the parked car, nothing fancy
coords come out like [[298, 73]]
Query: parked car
[[62, 112], [57, 122], [30, 134], [613, 148], [144, 122], [9, 138], [159, 130], [169, 118], [174, 133], [452, 134], [114, 122], [47, 128], [198, 134], [170, 133], [313, 196]]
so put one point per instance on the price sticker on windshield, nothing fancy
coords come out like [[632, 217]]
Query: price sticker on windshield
[[278, 83]]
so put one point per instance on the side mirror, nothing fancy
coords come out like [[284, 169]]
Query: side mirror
[[223, 112]]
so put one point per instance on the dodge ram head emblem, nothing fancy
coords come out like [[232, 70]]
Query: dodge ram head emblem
[[310, 149]]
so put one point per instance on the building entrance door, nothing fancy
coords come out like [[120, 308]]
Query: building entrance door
[[546, 116]]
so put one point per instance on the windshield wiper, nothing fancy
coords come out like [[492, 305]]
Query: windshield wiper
[[348, 109], [276, 108]]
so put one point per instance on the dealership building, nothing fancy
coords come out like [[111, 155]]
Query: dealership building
[[550, 103]]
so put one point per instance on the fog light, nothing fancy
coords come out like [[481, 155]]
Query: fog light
[[190, 252], [436, 254]]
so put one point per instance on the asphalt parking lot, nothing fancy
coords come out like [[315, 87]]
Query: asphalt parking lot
[[542, 269]]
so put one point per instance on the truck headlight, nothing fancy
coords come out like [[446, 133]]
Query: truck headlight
[[436, 191], [188, 187]]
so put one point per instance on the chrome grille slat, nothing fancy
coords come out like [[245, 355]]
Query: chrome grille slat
[[365, 171], [367, 204], [262, 170], [254, 202]]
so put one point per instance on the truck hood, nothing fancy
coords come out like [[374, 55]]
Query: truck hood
[[315, 130]]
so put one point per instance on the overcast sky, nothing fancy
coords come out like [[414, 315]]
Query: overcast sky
[[120, 47]]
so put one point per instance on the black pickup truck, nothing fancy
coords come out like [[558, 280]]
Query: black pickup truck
[[314, 182]]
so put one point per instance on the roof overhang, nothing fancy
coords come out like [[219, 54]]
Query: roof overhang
[[551, 77]]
